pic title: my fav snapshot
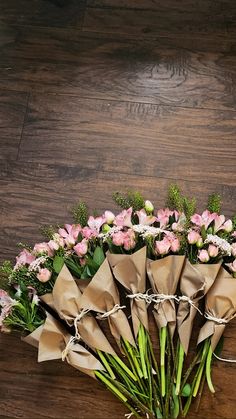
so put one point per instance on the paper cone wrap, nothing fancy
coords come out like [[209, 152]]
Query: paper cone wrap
[[221, 304], [195, 282], [164, 275], [102, 295], [67, 302], [130, 271]]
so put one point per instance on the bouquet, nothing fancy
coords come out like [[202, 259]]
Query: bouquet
[[172, 263]]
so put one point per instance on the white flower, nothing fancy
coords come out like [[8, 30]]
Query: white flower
[[222, 244]]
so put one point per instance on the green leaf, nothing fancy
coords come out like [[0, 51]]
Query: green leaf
[[98, 256], [175, 406], [58, 262], [203, 233], [186, 390]]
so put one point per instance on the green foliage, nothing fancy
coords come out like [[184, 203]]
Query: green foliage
[[129, 199], [80, 213], [234, 222], [181, 203], [5, 272], [174, 198], [24, 246], [21, 276], [214, 203], [58, 263], [48, 231]]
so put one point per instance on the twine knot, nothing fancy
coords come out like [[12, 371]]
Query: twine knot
[[114, 310]]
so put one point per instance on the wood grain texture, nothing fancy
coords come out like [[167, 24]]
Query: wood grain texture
[[12, 112], [165, 71], [132, 94], [42, 13], [124, 132]]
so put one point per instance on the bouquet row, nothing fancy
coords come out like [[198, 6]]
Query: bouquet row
[[172, 263]]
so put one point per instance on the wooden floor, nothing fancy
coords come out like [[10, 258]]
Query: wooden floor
[[94, 97]]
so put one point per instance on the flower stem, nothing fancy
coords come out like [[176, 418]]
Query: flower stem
[[163, 335], [111, 386], [208, 370], [179, 367], [105, 363]]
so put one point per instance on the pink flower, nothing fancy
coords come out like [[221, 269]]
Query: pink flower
[[233, 249], [203, 256], [193, 237], [145, 219], [95, 223], [70, 233], [203, 220], [24, 258], [233, 234], [88, 233], [213, 250], [162, 247], [124, 218], [44, 275], [53, 245], [81, 248], [163, 216], [129, 240], [175, 245], [109, 217], [118, 238], [232, 267], [42, 248], [6, 304], [228, 226]]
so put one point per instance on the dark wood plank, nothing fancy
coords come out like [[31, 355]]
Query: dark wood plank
[[177, 142], [156, 22], [43, 13], [12, 112], [164, 71], [33, 194]]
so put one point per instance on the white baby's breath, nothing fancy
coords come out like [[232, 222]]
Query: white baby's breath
[[222, 244]]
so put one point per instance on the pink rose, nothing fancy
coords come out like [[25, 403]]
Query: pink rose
[[81, 248], [53, 245], [213, 250], [42, 248], [175, 245], [118, 238], [24, 258], [162, 247], [44, 275], [232, 266], [193, 237], [109, 217], [233, 249], [129, 240], [124, 218], [203, 256]]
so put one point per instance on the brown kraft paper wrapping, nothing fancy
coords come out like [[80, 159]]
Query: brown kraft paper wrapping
[[101, 295], [164, 275], [130, 271], [33, 338], [67, 302], [195, 282], [53, 341], [220, 303]]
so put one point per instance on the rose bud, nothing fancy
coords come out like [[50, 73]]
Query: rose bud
[[148, 206], [109, 217], [199, 243], [193, 237], [203, 256], [213, 250], [44, 275]]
